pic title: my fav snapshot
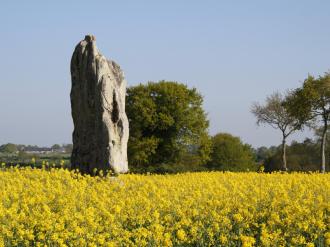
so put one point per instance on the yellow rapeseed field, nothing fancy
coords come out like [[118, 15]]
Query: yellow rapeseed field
[[61, 208]]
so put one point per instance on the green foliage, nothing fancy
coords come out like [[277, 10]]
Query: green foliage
[[23, 155], [263, 153], [230, 154], [167, 124], [302, 156], [8, 148], [141, 149], [310, 104], [56, 147], [312, 100]]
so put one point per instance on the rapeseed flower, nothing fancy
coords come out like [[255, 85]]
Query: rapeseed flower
[[57, 207]]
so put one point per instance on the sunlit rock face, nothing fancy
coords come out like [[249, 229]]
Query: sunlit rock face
[[98, 110]]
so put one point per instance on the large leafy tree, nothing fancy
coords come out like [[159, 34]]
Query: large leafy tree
[[167, 122], [276, 114], [311, 104], [231, 154]]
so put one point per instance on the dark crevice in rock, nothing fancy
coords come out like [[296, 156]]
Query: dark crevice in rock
[[115, 109]]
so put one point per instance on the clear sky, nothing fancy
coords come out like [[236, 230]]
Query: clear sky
[[233, 52]]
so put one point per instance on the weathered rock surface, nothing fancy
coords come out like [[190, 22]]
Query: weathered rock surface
[[98, 110]]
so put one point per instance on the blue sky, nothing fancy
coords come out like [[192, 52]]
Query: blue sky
[[233, 52]]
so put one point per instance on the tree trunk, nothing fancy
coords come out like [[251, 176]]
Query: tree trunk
[[323, 141], [284, 167]]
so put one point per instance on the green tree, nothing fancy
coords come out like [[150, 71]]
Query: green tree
[[8, 148], [263, 153], [229, 153], [301, 157], [23, 156], [311, 104], [56, 147], [167, 123], [275, 113]]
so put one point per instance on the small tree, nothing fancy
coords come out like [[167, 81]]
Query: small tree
[[311, 103], [229, 153], [275, 113]]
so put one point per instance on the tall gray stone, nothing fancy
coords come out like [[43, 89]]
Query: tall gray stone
[[98, 110]]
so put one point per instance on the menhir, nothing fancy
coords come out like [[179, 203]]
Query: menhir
[[98, 110]]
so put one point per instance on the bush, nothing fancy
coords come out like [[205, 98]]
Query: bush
[[230, 154]]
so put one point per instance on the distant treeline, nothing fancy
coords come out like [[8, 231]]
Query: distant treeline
[[33, 155], [229, 154], [301, 156]]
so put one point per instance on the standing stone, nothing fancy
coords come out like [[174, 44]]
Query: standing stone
[[98, 110]]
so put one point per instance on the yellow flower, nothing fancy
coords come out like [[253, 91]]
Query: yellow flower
[[223, 239], [181, 235], [247, 241], [327, 238], [59, 207], [238, 217], [167, 240]]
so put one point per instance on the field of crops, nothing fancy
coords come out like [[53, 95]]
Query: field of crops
[[59, 208]]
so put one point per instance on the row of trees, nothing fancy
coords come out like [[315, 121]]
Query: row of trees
[[11, 148], [26, 155], [169, 132], [301, 156], [306, 106]]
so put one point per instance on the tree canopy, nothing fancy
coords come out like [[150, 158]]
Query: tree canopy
[[311, 103], [230, 153], [167, 124]]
